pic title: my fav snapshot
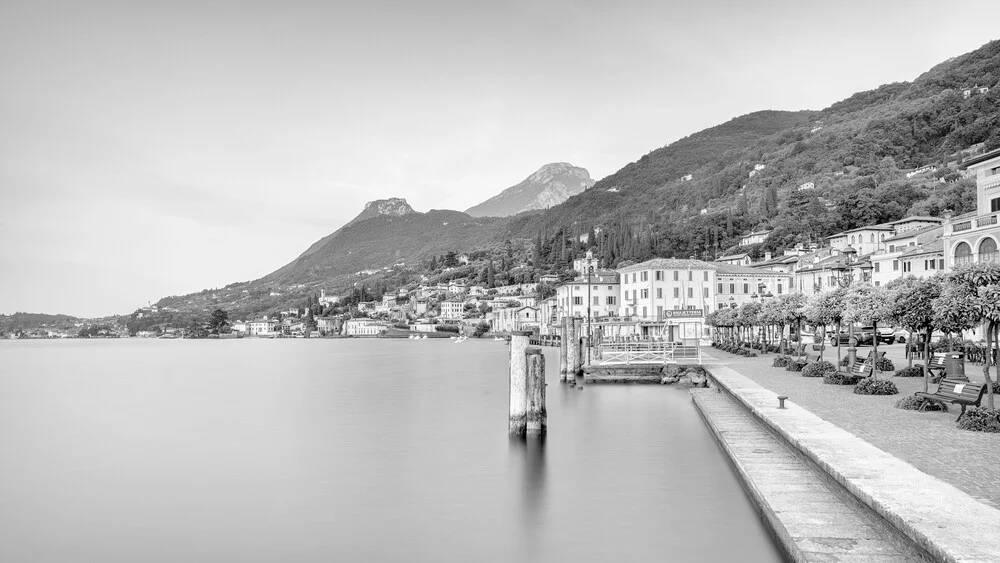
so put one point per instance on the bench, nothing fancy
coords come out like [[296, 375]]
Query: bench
[[861, 367], [955, 391], [937, 363]]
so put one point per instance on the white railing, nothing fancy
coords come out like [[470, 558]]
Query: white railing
[[646, 352]]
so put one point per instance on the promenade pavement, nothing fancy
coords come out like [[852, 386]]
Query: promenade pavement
[[930, 441]]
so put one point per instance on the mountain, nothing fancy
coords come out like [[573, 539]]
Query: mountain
[[392, 207], [549, 186], [804, 174]]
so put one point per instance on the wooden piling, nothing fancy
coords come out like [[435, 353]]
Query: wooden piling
[[537, 415], [518, 384], [563, 342], [576, 353]]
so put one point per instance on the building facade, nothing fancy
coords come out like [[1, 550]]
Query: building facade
[[975, 237]]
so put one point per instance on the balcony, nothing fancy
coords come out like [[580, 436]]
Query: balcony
[[975, 224]]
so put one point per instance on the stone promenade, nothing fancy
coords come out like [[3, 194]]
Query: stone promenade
[[929, 441]]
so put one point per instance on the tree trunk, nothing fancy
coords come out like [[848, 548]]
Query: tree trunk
[[991, 337], [874, 350], [798, 328], [927, 360], [909, 352], [822, 341], [837, 336]]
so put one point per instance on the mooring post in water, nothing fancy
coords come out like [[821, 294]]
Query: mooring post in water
[[576, 356], [536, 393], [518, 383], [563, 342], [572, 349], [585, 350]]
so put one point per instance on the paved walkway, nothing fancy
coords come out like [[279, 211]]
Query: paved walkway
[[930, 441], [815, 519]]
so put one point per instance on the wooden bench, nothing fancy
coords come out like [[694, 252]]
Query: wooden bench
[[955, 391], [937, 363], [862, 367]]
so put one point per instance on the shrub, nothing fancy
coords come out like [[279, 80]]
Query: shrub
[[912, 403], [843, 362], [884, 364], [781, 361], [914, 371], [872, 386], [979, 419], [795, 365], [840, 378], [446, 328], [482, 328], [818, 369]]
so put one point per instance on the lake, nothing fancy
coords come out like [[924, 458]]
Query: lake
[[347, 450]]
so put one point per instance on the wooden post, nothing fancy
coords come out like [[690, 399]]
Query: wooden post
[[563, 343], [537, 415], [585, 350], [576, 351], [518, 383]]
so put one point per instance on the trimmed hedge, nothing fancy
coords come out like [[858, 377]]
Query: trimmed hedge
[[884, 364], [914, 371], [840, 378], [913, 403], [872, 386], [818, 369], [795, 365], [979, 419], [781, 361]]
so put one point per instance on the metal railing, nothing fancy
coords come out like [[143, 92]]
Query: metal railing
[[646, 352]]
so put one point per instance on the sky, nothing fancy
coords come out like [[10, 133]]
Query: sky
[[159, 148]]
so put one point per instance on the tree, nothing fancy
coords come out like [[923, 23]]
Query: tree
[[970, 288], [826, 309], [912, 307], [867, 305], [490, 275], [218, 322]]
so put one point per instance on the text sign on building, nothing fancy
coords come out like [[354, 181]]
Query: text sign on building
[[683, 314]]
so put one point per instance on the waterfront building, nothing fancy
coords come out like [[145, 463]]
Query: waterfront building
[[452, 309], [738, 259], [605, 296], [363, 327], [261, 327], [889, 263], [516, 318], [863, 240], [328, 325], [736, 285], [975, 237]]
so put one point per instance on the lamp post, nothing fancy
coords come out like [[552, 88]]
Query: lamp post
[[590, 273]]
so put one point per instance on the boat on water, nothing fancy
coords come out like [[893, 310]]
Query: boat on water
[[461, 339]]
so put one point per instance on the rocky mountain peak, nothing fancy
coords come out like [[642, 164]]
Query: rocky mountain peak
[[550, 185], [393, 207]]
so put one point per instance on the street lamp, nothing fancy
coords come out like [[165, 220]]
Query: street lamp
[[590, 273]]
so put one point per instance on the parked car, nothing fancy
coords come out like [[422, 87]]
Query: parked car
[[865, 337], [886, 335]]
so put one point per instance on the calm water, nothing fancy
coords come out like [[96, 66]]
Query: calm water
[[324, 450]]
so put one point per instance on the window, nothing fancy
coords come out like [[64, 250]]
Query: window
[[940, 263], [746, 288], [645, 276], [705, 291], [779, 289], [611, 300], [705, 275], [676, 274], [633, 277], [988, 250], [892, 248], [871, 238], [659, 293], [645, 295], [906, 266], [659, 311], [597, 300], [877, 264], [877, 283], [578, 300], [852, 239], [690, 275], [643, 312], [995, 205], [659, 275], [732, 288], [963, 254], [895, 265], [677, 292], [721, 305], [611, 288], [720, 287], [690, 292]]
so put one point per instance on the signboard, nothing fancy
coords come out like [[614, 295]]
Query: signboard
[[683, 314]]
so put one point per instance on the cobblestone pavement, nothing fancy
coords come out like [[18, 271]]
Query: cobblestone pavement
[[930, 441]]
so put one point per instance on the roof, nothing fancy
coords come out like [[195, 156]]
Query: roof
[[764, 232], [879, 227], [732, 256], [730, 269], [918, 218], [935, 247], [972, 161], [669, 264], [914, 232]]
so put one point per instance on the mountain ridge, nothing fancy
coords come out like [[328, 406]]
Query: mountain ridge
[[548, 186]]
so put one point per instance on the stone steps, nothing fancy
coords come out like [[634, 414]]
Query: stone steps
[[812, 517]]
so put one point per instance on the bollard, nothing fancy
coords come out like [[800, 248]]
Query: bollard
[[572, 349], [537, 415], [563, 342], [518, 384], [585, 349], [781, 401], [576, 354]]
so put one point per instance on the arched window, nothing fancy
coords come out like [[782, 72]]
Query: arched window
[[988, 250], [883, 236], [963, 254], [852, 239], [871, 238]]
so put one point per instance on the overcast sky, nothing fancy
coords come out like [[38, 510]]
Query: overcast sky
[[158, 148]]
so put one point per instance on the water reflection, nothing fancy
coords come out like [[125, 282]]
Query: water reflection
[[528, 461]]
